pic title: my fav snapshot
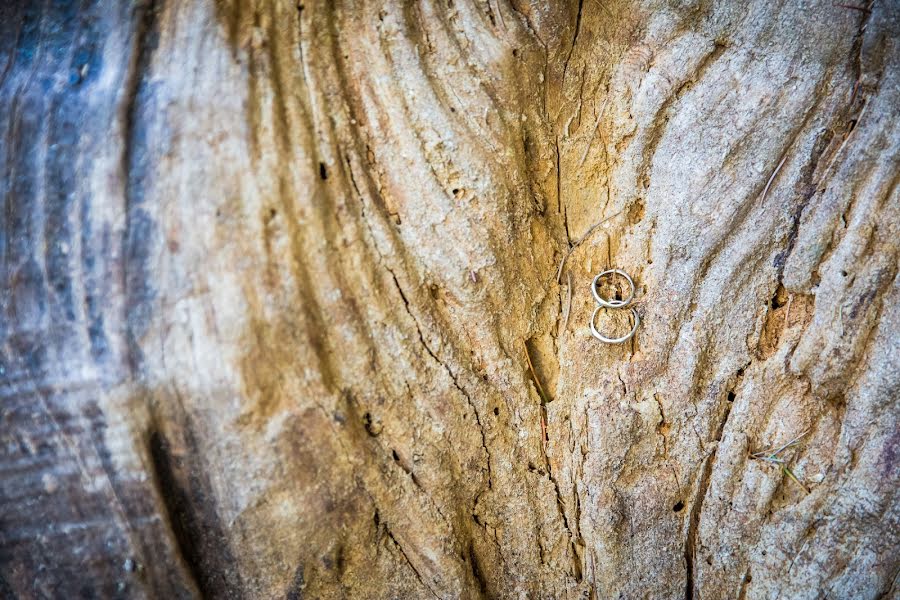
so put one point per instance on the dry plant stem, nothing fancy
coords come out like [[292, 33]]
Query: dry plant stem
[[787, 311], [840, 149], [537, 382], [787, 471], [544, 438], [859, 8], [568, 300], [771, 179], [587, 147], [771, 456], [578, 243]]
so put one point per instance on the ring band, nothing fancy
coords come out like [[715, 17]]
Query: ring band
[[612, 303], [606, 340]]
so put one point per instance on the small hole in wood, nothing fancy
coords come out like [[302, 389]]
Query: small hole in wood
[[323, 172], [678, 506]]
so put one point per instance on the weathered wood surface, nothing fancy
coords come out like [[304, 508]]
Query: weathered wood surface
[[269, 271]]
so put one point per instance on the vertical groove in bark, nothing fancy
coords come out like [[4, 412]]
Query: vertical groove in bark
[[139, 229], [178, 509]]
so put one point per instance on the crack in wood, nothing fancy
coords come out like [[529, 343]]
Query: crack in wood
[[453, 376], [690, 547], [409, 562]]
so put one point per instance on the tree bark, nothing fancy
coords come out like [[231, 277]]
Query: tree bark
[[295, 298]]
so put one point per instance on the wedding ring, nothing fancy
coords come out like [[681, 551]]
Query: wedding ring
[[619, 340], [613, 303]]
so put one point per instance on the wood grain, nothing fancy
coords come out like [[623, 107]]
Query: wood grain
[[268, 270]]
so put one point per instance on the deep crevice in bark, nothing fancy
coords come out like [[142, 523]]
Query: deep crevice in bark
[[477, 572], [690, 547], [138, 228], [191, 515], [183, 522]]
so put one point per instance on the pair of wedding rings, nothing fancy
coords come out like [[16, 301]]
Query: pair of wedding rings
[[612, 303]]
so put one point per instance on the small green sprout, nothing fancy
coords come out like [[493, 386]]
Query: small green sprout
[[771, 455]]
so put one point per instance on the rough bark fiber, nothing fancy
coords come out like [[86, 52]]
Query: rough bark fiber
[[270, 272]]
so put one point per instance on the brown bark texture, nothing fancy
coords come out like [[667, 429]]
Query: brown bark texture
[[294, 299]]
